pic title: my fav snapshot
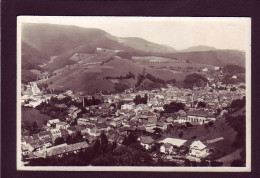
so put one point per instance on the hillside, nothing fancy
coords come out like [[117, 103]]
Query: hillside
[[194, 80], [92, 76], [100, 61], [31, 58], [146, 46], [215, 58], [57, 39]]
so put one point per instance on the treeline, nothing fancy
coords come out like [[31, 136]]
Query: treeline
[[28, 76], [236, 105], [233, 69], [173, 107], [154, 79], [92, 101], [128, 76], [238, 123], [229, 80], [140, 100], [51, 109], [29, 128], [194, 80]]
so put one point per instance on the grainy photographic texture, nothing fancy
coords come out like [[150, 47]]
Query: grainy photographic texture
[[133, 94]]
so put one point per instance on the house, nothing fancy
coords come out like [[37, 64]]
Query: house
[[62, 125], [157, 107], [152, 120], [234, 77], [142, 107], [55, 133], [85, 131], [45, 135], [128, 106], [61, 96], [52, 122], [72, 130], [111, 138], [205, 69], [170, 143], [64, 133], [146, 142], [166, 148], [61, 106], [34, 146], [116, 123], [102, 126], [94, 132], [161, 125], [198, 149], [69, 92], [82, 121], [104, 106], [90, 138]]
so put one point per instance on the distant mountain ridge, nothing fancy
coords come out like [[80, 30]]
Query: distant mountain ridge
[[198, 48], [55, 40]]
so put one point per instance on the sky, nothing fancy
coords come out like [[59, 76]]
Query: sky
[[177, 32]]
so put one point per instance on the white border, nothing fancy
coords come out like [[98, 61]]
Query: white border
[[134, 168]]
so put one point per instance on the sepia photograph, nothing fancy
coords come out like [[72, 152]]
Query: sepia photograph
[[99, 93]]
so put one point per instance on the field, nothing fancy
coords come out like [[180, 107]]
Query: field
[[32, 114]]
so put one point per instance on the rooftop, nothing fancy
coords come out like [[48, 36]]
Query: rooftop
[[174, 141]]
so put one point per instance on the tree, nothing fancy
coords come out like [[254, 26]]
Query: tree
[[139, 100], [59, 141], [35, 127], [130, 139], [238, 163], [146, 97], [180, 134], [202, 104], [68, 139], [173, 107], [103, 142], [96, 148]]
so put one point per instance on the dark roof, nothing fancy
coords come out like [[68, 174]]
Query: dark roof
[[201, 113], [68, 148], [35, 136], [64, 132], [147, 139], [28, 139], [45, 133]]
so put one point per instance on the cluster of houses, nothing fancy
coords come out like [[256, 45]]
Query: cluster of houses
[[119, 122]]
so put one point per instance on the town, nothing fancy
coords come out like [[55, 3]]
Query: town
[[170, 124]]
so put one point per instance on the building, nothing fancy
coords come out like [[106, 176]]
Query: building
[[200, 117], [129, 106], [82, 121], [52, 122], [55, 133], [66, 149], [169, 144], [198, 149], [146, 142], [62, 125]]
